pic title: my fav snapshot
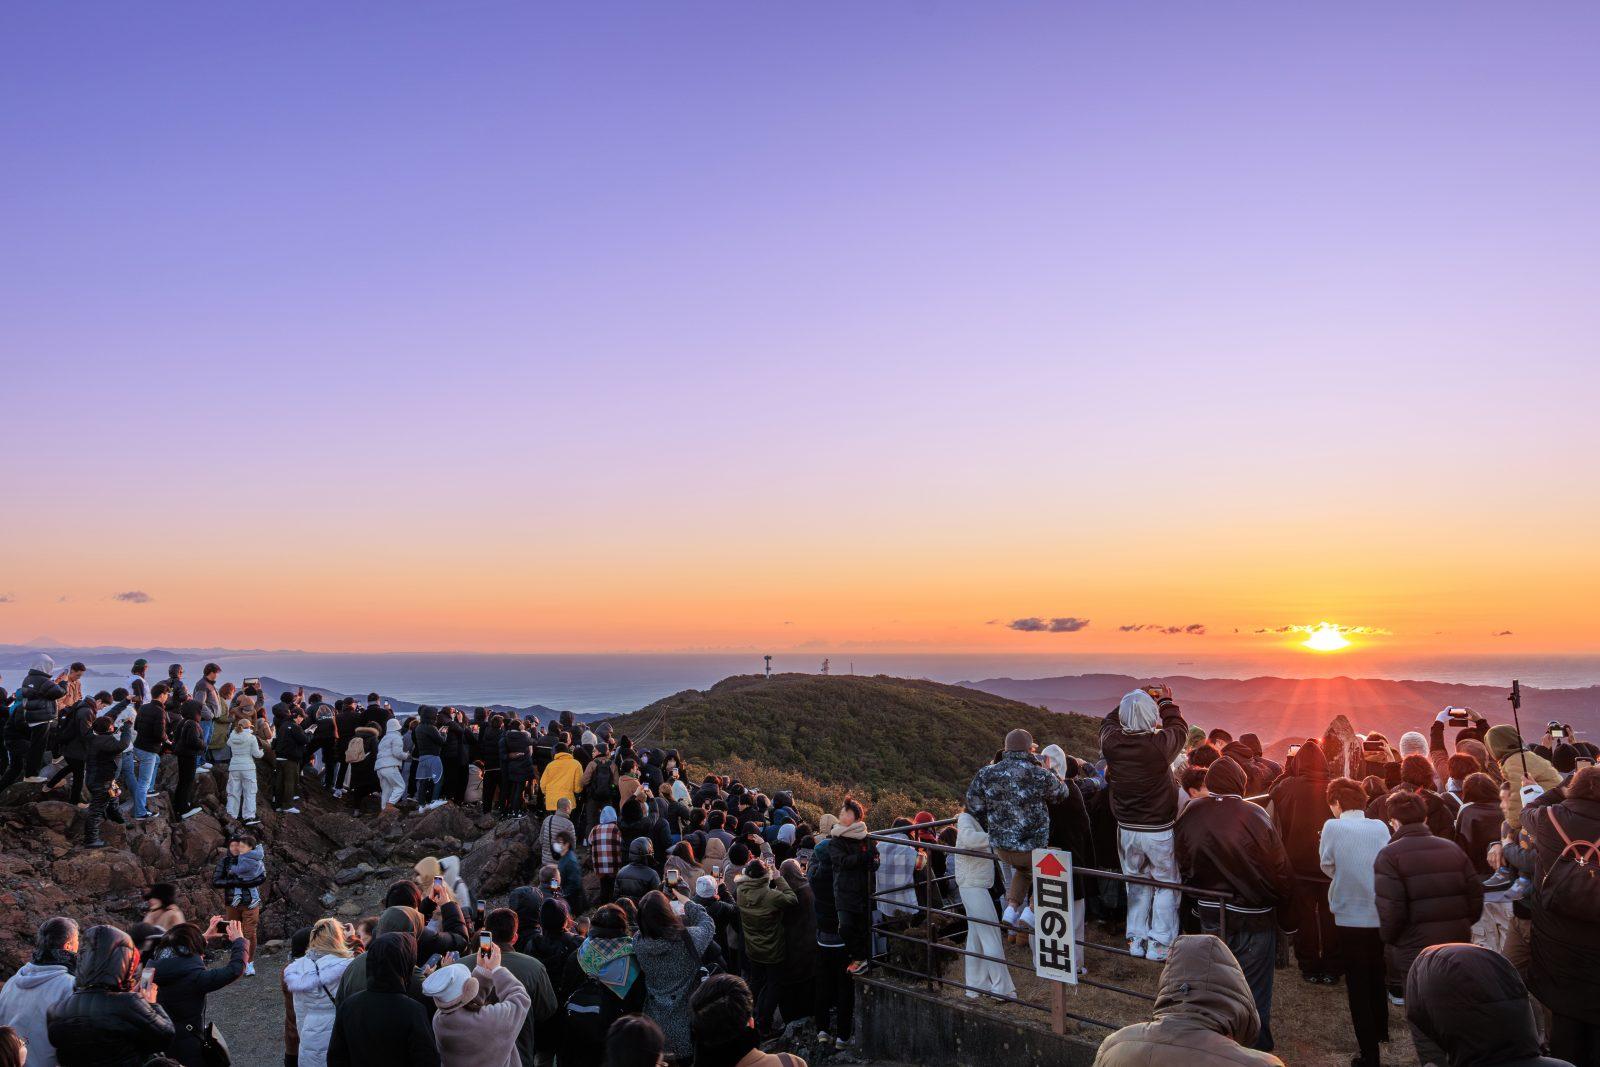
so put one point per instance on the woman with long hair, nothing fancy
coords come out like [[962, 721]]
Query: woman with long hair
[[182, 980], [313, 980], [668, 949]]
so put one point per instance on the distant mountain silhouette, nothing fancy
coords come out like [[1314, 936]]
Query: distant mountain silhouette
[[1279, 708], [275, 687]]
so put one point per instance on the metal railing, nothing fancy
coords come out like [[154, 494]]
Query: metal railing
[[933, 944]]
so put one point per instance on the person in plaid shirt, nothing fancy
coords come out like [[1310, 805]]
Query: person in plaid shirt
[[605, 852]]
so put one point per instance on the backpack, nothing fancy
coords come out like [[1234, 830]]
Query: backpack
[[1571, 887], [603, 786], [356, 750], [587, 1015]]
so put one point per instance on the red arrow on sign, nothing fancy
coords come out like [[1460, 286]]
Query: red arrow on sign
[[1050, 865]]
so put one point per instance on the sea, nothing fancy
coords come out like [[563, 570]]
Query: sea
[[614, 683]]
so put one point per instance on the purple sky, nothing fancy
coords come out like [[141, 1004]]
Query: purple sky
[[919, 310]]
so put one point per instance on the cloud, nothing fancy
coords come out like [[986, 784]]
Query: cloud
[[1195, 629], [7, 598], [133, 596], [1311, 628], [1501, 633], [1063, 625]]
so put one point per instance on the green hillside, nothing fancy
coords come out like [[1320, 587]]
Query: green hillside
[[900, 742]]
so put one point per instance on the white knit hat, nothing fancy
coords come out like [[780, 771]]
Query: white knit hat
[[449, 986], [705, 887], [1413, 744]]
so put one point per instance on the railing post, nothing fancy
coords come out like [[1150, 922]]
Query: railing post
[[1058, 1007]]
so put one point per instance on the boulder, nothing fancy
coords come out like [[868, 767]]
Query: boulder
[[501, 858], [441, 823], [55, 814], [98, 871], [203, 841]]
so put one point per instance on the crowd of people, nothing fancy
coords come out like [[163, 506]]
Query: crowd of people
[[665, 920]]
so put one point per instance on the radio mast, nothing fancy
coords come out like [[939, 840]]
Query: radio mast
[[769, 665]]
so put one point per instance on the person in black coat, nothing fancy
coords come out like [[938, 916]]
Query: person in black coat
[[1427, 893], [182, 982], [486, 751], [106, 1022], [35, 710], [1566, 931], [1299, 803], [189, 742], [1225, 843], [382, 1026], [1417, 779], [1471, 1003], [103, 751]]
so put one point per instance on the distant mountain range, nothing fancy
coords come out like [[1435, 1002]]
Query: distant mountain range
[[274, 687], [1278, 708]]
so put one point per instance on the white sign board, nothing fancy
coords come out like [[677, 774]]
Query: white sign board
[[1055, 949]]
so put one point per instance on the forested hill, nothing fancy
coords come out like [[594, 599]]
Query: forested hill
[[918, 741]]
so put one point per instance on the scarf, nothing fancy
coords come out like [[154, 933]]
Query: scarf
[[611, 962]]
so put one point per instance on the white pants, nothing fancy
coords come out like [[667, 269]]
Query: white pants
[[1490, 930], [983, 974], [391, 785], [242, 794], [1152, 913]]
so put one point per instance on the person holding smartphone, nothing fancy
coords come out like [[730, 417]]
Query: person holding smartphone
[[471, 1031], [112, 1016], [183, 981]]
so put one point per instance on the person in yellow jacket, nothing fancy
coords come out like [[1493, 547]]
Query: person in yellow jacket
[[1505, 745], [562, 778]]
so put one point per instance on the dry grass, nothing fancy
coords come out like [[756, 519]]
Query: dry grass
[[1311, 1024]]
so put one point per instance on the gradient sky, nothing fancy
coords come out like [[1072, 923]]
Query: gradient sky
[[662, 326]]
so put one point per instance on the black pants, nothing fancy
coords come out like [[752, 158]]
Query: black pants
[[857, 934], [1253, 940], [100, 808], [1361, 952], [491, 786], [285, 782], [1575, 1040], [35, 759], [835, 1008], [1316, 936], [516, 789], [331, 768], [766, 980], [73, 767], [16, 762], [183, 793], [454, 786]]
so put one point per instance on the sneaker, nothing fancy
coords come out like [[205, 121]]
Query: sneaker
[[1009, 917], [1136, 947], [94, 844], [859, 967], [289, 811], [250, 969], [1521, 889], [824, 1038], [191, 813], [1397, 1001], [252, 822], [435, 804], [1500, 880], [841, 1043], [1155, 950], [1025, 920]]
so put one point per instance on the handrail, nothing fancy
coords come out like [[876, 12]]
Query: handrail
[[919, 908]]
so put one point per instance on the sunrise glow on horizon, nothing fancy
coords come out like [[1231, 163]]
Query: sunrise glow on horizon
[[1038, 330]]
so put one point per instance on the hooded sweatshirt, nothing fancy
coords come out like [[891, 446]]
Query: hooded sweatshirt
[[25, 1002], [1505, 746], [105, 1023], [1300, 807], [1473, 1005], [392, 749], [1139, 752], [1204, 1014], [384, 1024]]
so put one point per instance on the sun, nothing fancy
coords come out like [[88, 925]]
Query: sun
[[1325, 638]]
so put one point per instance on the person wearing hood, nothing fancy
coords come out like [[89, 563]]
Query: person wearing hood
[[39, 985], [605, 987], [1471, 1003], [187, 745], [1565, 938], [1011, 797], [391, 757], [639, 876], [639, 819], [243, 751], [1299, 805], [1204, 1014], [605, 852], [428, 741], [471, 1030], [313, 981], [797, 999], [975, 882], [108, 1021], [103, 751], [1269, 770], [240, 873], [33, 710], [1070, 827], [183, 982], [1139, 741], [382, 1025], [1521, 767], [1227, 844]]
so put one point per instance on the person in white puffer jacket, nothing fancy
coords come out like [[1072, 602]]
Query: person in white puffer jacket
[[243, 751], [974, 878], [313, 979], [391, 757]]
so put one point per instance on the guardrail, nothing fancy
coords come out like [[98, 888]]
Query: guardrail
[[933, 945]]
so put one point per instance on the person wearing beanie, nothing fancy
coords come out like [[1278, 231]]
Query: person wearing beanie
[[1564, 758], [1139, 740], [1413, 743], [1226, 844]]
